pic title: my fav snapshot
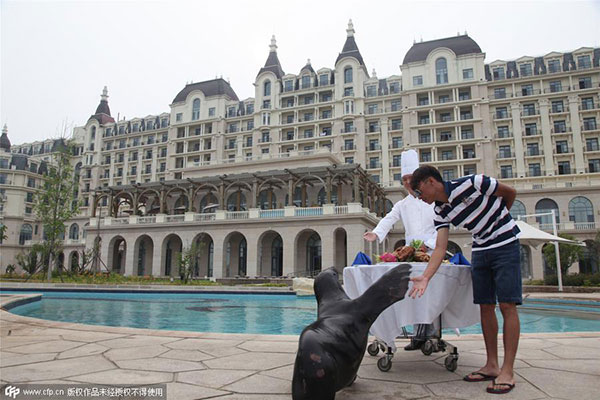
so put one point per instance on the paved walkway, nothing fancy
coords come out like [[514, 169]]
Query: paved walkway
[[259, 367]]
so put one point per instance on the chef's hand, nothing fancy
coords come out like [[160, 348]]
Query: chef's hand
[[419, 286], [370, 236]]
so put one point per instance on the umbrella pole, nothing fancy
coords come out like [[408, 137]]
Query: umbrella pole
[[559, 272]]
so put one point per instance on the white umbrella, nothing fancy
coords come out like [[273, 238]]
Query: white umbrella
[[534, 237]]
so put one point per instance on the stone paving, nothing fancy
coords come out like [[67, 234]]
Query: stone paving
[[259, 367]]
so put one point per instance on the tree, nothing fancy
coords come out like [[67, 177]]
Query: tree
[[56, 203], [569, 253], [186, 260]]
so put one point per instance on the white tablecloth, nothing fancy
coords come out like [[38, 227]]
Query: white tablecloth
[[450, 293]]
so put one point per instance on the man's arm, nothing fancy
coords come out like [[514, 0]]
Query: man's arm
[[384, 226], [508, 193], [420, 282]]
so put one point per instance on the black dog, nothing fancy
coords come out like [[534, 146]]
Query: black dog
[[331, 348]]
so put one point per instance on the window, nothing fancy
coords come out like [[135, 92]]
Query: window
[[396, 124], [525, 69], [178, 117], [498, 73], [211, 112], [535, 170], [425, 156], [371, 91], [396, 105], [305, 82], [591, 144], [424, 137], [267, 88], [466, 95], [349, 126], [527, 90], [31, 182], [466, 133], [25, 234], [29, 197], [266, 119], [468, 73], [531, 129], [446, 136], [418, 80], [470, 170], [266, 137], [423, 119], [323, 80], [288, 85], [348, 107], [444, 98], [594, 165], [348, 75], [394, 87], [555, 86], [374, 162], [374, 144], [501, 112], [441, 71], [349, 144], [564, 167], [397, 142], [396, 160], [398, 177], [445, 117], [553, 66], [560, 127], [74, 232], [423, 100], [504, 151], [348, 91], [500, 93], [372, 109], [589, 124], [562, 147], [447, 155], [583, 62], [585, 83], [448, 174], [533, 149], [373, 126], [587, 103], [506, 171], [529, 109], [350, 160], [558, 106]]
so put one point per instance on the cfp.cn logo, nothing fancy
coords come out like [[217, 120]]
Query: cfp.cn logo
[[11, 391]]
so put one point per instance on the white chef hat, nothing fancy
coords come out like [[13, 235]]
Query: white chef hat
[[409, 162]]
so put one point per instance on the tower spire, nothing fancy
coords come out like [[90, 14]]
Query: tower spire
[[350, 31], [273, 45]]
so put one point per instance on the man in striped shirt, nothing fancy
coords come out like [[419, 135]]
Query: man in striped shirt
[[479, 204]]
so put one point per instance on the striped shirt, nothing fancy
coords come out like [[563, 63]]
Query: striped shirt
[[472, 205]]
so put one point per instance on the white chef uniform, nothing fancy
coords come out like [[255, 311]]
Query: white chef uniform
[[416, 215]]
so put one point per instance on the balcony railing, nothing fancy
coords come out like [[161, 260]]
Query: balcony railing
[[271, 213], [236, 215], [308, 211]]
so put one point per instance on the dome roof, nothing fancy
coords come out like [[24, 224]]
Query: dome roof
[[4, 142], [458, 44], [214, 87]]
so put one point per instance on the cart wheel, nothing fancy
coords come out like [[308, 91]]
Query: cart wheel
[[427, 348], [373, 349], [451, 363], [384, 364]]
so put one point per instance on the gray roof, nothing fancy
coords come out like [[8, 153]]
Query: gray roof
[[308, 68], [19, 161], [458, 44], [102, 114], [350, 50], [272, 65], [4, 142], [214, 87]]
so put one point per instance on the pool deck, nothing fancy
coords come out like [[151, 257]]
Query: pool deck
[[259, 367]]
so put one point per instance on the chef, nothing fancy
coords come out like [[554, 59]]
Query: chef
[[417, 217]]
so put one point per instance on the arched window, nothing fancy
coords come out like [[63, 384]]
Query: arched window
[[236, 202], [348, 75], [209, 203], [196, 109], [26, 233], [74, 232], [441, 71], [546, 206], [322, 196], [517, 209], [267, 88], [581, 210], [267, 200], [93, 133]]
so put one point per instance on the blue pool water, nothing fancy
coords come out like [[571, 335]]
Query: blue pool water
[[248, 313]]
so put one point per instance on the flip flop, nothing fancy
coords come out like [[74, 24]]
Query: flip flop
[[508, 388], [484, 377]]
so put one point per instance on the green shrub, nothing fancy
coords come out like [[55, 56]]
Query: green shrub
[[574, 280]]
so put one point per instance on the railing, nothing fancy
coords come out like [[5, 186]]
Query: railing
[[341, 210], [308, 211], [279, 213], [120, 221], [146, 220], [236, 215], [175, 218], [204, 217], [585, 225]]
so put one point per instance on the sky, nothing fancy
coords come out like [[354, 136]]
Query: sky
[[56, 56]]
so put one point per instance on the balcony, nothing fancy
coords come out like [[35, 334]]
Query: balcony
[[264, 140], [348, 147], [506, 135], [533, 153], [348, 130], [506, 155]]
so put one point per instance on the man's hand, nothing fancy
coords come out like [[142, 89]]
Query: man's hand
[[370, 236], [419, 285]]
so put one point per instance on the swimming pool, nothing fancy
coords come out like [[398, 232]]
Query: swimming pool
[[250, 313]]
